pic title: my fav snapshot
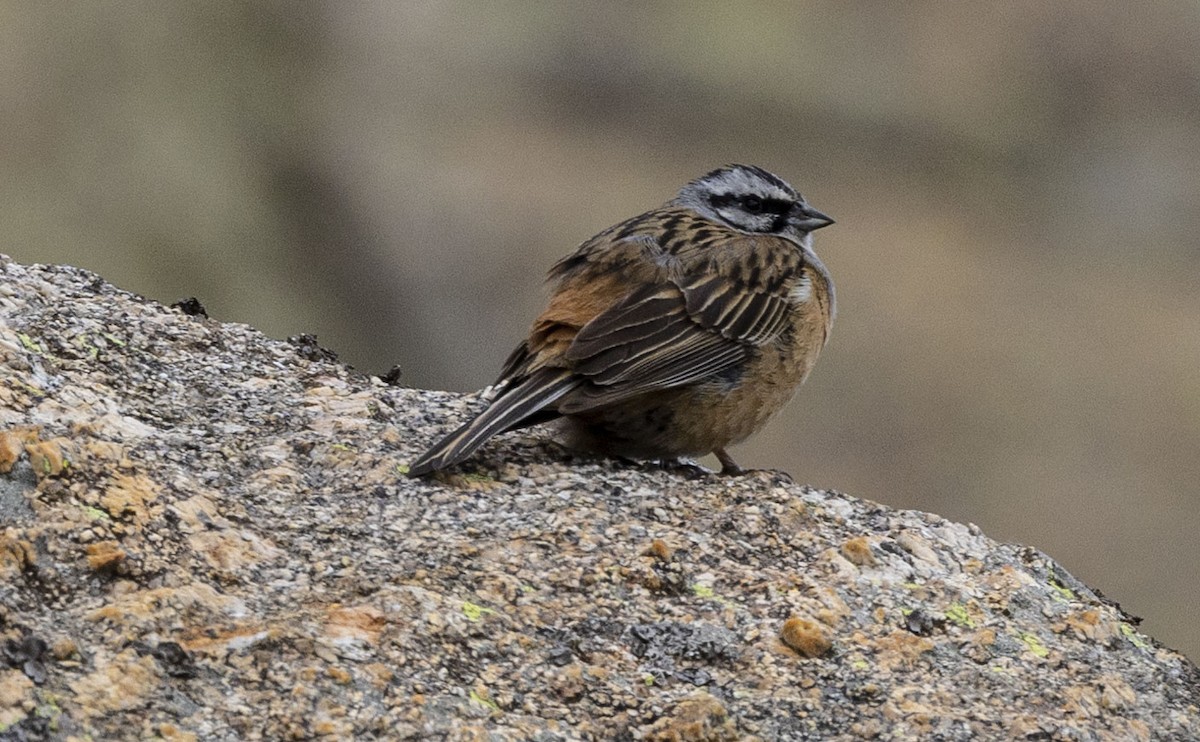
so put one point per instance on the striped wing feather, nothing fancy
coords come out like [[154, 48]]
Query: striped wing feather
[[667, 335]]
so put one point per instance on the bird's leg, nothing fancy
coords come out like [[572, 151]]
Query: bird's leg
[[729, 467]]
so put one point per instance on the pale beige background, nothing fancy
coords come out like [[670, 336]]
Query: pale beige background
[[1017, 189]]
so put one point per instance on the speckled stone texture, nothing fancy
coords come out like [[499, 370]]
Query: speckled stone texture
[[205, 534]]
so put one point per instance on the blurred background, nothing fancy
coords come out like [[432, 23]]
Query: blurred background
[[1017, 189]]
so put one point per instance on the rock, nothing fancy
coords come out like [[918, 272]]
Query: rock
[[206, 534]]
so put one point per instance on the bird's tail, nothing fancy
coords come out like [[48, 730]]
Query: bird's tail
[[509, 410]]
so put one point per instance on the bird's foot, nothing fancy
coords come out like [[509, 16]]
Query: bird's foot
[[682, 467]]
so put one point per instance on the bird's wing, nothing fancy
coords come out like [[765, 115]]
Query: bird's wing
[[670, 334]]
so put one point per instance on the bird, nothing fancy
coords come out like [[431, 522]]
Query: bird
[[673, 334]]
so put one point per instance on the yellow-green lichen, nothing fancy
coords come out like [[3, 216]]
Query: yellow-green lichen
[[957, 614], [475, 612], [51, 712], [36, 391], [1035, 644], [96, 513], [1132, 635], [704, 592], [484, 701], [30, 344], [48, 465], [1062, 590]]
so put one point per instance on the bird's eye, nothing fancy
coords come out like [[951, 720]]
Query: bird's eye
[[753, 204]]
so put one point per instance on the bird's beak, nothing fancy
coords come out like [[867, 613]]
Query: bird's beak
[[807, 218]]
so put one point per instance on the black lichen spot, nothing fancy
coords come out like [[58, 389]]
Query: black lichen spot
[[190, 306], [560, 655], [922, 624], [392, 377], [308, 348], [672, 640], [174, 659], [694, 675], [28, 655], [29, 729], [579, 639], [676, 650]]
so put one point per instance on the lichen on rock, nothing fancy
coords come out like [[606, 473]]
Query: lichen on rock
[[205, 533]]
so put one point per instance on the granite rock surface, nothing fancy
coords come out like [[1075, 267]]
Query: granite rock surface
[[206, 534]]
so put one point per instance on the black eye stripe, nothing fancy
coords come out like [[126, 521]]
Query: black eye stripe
[[777, 206], [758, 205]]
